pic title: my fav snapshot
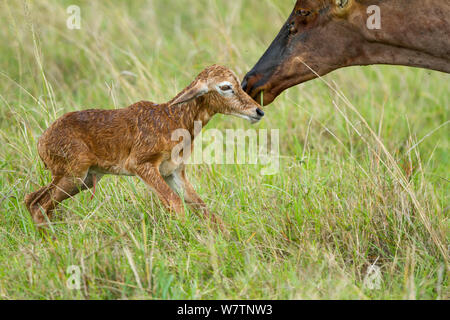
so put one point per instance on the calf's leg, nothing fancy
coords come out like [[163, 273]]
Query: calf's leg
[[31, 197], [179, 183], [57, 191], [152, 177]]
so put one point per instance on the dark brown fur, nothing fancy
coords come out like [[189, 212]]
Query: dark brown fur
[[80, 147], [325, 35]]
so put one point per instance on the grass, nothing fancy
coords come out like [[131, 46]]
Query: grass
[[364, 172]]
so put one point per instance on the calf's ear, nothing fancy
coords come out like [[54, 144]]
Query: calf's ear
[[341, 3], [343, 7], [192, 92]]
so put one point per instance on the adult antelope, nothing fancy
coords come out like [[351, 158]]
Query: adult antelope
[[324, 35]]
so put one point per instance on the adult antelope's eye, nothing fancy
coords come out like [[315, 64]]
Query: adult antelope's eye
[[225, 88], [303, 12]]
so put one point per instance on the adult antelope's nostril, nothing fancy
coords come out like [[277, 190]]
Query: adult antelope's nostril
[[259, 112], [244, 84], [249, 81]]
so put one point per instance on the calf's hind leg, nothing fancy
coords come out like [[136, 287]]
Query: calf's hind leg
[[59, 190], [31, 197], [33, 200]]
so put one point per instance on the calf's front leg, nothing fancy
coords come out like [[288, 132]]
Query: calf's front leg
[[152, 177], [179, 183]]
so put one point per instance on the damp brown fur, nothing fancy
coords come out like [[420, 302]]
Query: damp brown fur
[[80, 147], [321, 36]]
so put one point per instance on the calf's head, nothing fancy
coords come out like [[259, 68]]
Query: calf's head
[[219, 90]]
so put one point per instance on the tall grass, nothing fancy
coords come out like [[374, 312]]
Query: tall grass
[[364, 177]]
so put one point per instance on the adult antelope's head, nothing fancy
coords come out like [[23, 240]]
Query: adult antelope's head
[[323, 35]]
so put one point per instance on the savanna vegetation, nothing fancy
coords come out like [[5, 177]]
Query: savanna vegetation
[[358, 210]]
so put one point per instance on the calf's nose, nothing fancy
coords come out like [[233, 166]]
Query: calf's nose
[[259, 112]]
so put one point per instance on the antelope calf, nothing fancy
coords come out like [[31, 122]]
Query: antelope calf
[[80, 147]]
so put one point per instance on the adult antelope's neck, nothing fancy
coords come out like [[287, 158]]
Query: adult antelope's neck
[[413, 33]]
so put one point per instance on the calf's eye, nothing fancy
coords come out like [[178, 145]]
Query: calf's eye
[[225, 88]]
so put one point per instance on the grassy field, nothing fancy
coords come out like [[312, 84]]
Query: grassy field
[[363, 181]]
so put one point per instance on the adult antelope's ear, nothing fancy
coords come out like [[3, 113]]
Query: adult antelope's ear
[[190, 93]]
